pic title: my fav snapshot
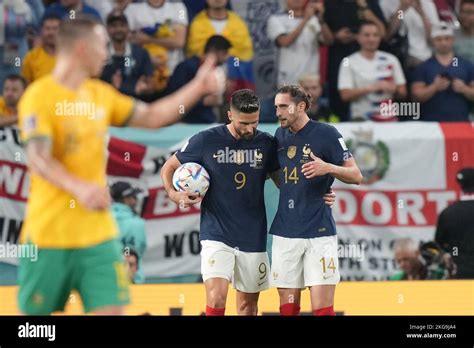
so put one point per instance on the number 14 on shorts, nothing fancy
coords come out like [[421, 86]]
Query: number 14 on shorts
[[327, 263]]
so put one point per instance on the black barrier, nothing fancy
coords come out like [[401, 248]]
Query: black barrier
[[288, 331]]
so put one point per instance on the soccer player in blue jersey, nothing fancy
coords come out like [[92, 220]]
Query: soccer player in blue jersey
[[233, 233], [304, 250]]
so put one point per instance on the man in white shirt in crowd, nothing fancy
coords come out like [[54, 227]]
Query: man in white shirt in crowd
[[160, 23], [370, 79], [297, 33], [413, 18]]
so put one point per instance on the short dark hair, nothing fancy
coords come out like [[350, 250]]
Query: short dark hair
[[50, 17], [16, 77], [365, 23], [70, 30], [245, 100], [116, 16], [465, 179], [217, 43], [297, 94], [464, 2]]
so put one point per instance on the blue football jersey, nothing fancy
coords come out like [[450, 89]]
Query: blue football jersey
[[233, 209], [302, 212]]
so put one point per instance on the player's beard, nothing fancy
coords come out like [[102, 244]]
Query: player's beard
[[246, 136]]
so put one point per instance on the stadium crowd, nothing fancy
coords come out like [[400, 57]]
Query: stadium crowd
[[358, 58]]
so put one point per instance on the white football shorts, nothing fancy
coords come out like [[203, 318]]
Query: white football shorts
[[247, 271], [299, 263]]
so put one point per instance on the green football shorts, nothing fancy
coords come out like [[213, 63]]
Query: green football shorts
[[98, 273]]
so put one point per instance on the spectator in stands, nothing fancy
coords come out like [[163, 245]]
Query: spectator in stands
[[369, 78], [40, 60], [297, 32], [413, 265], [130, 224], [344, 18], [71, 8], [317, 112], [203, 111], [217, 19], [130, 68], [464, 35], [413, 19], [444, 84], [454, 231], [160, 26], [13, 89], [16, 17], [105, 7], [132, 260]]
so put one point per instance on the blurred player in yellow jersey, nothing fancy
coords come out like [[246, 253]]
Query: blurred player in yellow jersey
[[64, 119]]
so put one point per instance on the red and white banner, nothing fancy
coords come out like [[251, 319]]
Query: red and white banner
[[409, 173], [14, 185], [409, 177]]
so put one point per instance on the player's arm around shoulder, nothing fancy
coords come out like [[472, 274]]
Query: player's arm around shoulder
[[273, 163]]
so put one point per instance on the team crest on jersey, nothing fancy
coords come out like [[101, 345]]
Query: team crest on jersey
[[291, 151], [306, 153]]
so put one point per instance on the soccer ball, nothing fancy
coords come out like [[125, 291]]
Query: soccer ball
[[191, 177]]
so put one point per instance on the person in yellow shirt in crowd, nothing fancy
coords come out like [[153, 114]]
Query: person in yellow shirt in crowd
[[40, 60], [13, 88], [216, 19], [64, 119]]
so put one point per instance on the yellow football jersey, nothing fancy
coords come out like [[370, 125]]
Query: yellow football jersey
[[76, 122], [36, 64], [4, 110]]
